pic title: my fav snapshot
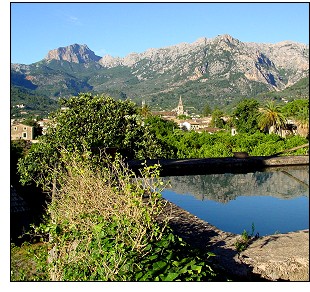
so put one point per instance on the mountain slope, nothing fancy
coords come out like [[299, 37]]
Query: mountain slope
[[216, 71]]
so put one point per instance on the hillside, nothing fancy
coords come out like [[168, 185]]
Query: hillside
[[298, 90], [26, 103], [217, 71]]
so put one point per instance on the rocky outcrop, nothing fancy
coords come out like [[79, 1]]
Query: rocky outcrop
[[73, 53], [287, 55]]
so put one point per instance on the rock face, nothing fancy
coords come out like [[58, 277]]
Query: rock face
[[280, 257], [223, 57], [73, 53]]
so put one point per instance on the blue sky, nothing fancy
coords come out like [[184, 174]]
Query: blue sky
[[118, 29]]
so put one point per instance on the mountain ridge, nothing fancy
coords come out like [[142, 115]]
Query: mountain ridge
[[215, 70]]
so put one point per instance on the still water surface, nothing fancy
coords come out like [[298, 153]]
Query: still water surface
[[274, 201]]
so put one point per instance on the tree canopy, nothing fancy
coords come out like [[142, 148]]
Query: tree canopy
[[86, 122], [217, 120], [245, 116]]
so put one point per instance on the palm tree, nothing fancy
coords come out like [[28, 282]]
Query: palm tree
[[270, 117]]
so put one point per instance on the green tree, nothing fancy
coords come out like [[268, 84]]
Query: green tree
[[18, 150], [87, 123], [183, 117], [160, 126], [291, 109], [206, 110], [245, 116], [271, 116], [217, 120], [298, 111]]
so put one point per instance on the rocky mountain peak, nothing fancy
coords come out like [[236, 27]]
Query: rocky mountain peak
[[74, 53], [223, 38]]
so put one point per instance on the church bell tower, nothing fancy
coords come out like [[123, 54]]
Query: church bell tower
[[180, 108]]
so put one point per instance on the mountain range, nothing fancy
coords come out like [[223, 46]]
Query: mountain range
[[216, 71]]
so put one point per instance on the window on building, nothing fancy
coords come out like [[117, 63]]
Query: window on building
[[24, 135], [15, 128], [25, 128]]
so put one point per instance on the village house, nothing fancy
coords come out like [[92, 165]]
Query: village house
[[21, 131], [198, 127]]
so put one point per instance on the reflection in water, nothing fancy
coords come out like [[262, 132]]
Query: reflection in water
[[272, 200]]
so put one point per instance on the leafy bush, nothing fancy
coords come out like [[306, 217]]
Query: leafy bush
[[90, 122], [217, 150], [268, 148]]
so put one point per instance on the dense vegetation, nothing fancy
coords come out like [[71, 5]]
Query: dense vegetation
[[223, 144], [102, 222], [105, 224]]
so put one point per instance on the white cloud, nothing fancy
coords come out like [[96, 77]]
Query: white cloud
[[74, 20]]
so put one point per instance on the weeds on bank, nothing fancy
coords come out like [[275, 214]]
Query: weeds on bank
[[243, 242], [102, 226]]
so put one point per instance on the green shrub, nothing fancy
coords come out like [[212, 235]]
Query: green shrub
[[268, 148], [295, 141]]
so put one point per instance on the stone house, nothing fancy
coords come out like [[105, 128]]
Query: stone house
[[21, 131], [189, 125]]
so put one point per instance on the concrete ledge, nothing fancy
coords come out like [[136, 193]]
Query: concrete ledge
[[219, 165], [280, 256]]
